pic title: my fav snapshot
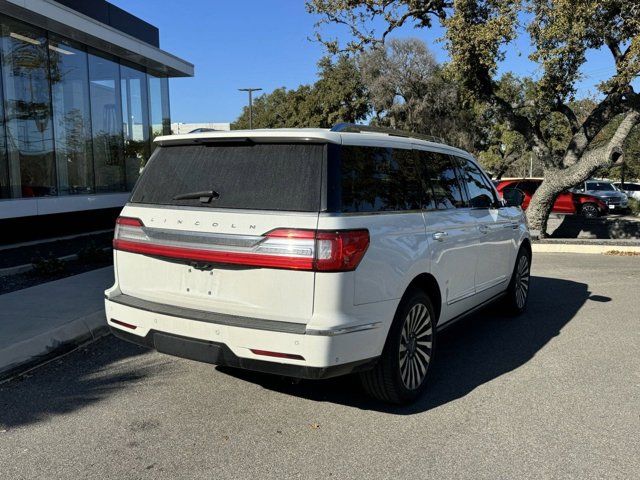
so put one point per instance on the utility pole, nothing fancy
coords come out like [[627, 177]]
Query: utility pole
[[250, 90]]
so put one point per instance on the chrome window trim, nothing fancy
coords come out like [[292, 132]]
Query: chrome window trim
[[358, 214]]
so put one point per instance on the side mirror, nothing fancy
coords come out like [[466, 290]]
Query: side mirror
[[513, 197], [482, 201]]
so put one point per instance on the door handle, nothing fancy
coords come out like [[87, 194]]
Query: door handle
[[483, 228], [440, 236]]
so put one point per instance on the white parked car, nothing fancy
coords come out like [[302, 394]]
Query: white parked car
[[631, 189], [313, 253]]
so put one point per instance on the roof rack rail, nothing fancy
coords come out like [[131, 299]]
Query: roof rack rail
[[355, 128]]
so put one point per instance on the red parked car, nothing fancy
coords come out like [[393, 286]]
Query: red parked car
[[568, 202]]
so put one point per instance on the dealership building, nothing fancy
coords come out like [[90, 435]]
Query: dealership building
[[83, 91]]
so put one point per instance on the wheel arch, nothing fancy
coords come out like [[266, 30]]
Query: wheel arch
[[526, 244], [428, 284]]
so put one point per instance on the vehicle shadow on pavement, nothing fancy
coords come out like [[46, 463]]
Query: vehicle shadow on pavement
[[84, 377], [610, 227], [475, 351]]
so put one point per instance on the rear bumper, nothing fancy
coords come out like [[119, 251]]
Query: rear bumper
[[242, 341], [221, 354]]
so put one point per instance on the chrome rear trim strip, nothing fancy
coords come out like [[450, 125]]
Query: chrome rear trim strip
[[205, 238], [342, 330]]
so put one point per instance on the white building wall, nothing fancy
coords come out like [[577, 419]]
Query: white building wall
[[180, 128]]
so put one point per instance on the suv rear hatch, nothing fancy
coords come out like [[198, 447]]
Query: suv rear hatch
[[205, 219]]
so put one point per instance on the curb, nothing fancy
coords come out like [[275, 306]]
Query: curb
[[28, 354], [582, 248]]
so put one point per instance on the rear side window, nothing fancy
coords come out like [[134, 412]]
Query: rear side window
[[244, 176], [441, 172], [480, 193], [374, 179]]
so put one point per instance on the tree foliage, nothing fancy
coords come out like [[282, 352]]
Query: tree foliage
[[561, 32], [339, 95], [409, 90]]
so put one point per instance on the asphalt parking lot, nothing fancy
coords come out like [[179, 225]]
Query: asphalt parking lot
[[554, 393]]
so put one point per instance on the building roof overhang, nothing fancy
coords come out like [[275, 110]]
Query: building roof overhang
[[65, 21]]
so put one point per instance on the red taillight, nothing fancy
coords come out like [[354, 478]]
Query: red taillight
[[132, 222], [286, 248], [126, 227], [341, 250], [267, 353], [334, 250]]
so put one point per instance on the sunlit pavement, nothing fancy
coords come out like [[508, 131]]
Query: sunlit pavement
[[554, 393]]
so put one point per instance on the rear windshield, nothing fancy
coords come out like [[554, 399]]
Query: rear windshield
[[244, 176]]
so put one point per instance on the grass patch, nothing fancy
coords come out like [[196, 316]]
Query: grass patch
[[621, 253]]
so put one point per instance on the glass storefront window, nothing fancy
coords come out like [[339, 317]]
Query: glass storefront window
[[71, 116], [166, 112], [73, 120], [135, 119], [5, 191], [29, 131], [106, 123], [159, 105]]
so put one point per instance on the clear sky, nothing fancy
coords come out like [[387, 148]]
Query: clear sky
[[264, 43]]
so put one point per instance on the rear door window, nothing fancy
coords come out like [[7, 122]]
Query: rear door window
[[375, 179], [250, 176], [441, 172]]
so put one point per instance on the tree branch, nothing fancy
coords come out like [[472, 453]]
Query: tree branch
[[614, 47], [570, 115], [616, 143], [416, 13], [613, 104], [518, 122], [609, 154], [358, 15]]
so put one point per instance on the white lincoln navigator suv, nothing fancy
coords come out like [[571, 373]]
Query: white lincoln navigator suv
[[313, 253]]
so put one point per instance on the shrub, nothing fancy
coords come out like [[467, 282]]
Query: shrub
[[92, 253], [48, 266]]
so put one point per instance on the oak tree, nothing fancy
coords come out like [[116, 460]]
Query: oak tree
[[477, 33]]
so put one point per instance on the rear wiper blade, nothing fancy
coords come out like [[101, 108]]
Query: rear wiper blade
[[204, 196]]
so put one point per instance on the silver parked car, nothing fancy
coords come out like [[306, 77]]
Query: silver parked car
[[616, 200]]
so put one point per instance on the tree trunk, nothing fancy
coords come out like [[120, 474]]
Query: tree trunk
[[556, 181], [542, 203]]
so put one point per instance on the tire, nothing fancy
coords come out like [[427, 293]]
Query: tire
[[401, 374], [517, 294], [589, 210]]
